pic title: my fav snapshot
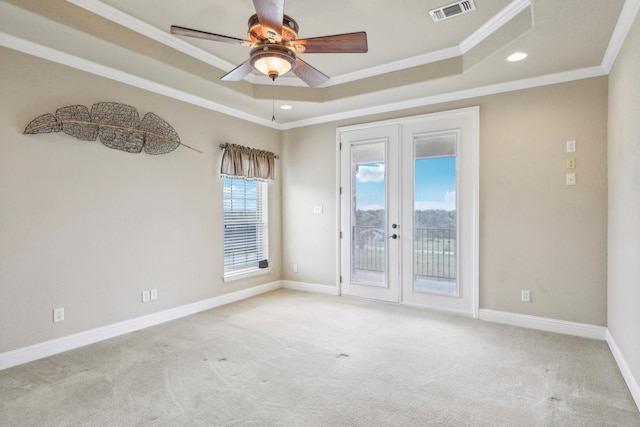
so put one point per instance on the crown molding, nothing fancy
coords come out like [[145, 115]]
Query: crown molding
[[625, 21], [115, 15], [550, 79], [390, 67], [82, 64], [44, 52], [494, 24]]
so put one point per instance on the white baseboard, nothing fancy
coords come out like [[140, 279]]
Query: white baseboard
[[545, 324], [59, 345], [310, 287], [70, 342], [461, 313], [633, 385]]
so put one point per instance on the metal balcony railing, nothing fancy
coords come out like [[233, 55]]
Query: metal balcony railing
[[434, 251]]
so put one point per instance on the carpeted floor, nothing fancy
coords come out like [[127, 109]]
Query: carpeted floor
[[298, 359]]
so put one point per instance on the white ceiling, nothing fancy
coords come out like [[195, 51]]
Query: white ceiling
[[412, 61]]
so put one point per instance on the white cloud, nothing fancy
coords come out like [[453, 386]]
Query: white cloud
[[450, 200], [448, 204], [370, 173], [370, 207]]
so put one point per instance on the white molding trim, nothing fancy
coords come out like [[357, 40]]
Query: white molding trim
[[113, 14], [620, 32], [632, 383], [403, 64], [437, 309], [583, 330], [626, 19], [563, 77], [134, 24], [494, 24], [310, 287], [49, 348], [81, 339], [44, 52]]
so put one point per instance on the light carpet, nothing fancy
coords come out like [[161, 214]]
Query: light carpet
[[291, 358]]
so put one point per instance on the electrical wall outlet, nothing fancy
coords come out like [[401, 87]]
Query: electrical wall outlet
[[571, 163], [295, 268], [58, 314], [154, 294], [571, 178], [146, 296], [526, 296]]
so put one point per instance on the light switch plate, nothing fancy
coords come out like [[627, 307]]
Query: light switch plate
[[571, 146]]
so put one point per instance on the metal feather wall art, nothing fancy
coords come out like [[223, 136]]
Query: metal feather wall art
[[117, 125]]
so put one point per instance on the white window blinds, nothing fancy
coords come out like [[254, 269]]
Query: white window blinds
[[245, 224]]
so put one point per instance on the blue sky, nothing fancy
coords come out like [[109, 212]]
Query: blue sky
[[435, 185]]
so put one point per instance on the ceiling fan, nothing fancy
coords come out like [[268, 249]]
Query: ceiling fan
[[274, 39]]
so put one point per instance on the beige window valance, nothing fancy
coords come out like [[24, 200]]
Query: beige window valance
[[249, 163]]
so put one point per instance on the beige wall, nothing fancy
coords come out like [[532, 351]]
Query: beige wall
[[536, 233], [89, 228], [624, 201]]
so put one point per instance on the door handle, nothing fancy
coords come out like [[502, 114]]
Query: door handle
[[393, 236]]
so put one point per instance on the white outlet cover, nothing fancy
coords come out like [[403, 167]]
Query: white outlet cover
[[58, 315], [154, 294]]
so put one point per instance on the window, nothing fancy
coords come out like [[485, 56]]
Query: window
[[245, 225]]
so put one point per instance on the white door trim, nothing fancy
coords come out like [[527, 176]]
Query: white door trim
[[474, 114]]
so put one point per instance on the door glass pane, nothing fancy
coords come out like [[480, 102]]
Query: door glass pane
[[368, 214], [435, 214]]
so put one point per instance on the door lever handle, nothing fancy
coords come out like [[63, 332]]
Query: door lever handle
[[393, 236]]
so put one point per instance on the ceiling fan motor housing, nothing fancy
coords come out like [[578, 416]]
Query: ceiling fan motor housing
[[289, 30], [274, 39]]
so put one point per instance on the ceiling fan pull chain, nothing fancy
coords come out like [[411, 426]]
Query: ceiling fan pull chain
[[273, 100]]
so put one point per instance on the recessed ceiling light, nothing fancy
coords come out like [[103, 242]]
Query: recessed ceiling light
[[286, 107], [518, 56]]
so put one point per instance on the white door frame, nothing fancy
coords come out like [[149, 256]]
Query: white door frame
[[472, 197], [389, 135]]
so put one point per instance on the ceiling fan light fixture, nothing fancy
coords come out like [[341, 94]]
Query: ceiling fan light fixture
[[273, 60]]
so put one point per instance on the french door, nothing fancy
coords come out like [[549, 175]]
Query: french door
[[370, 202], [408, 211]]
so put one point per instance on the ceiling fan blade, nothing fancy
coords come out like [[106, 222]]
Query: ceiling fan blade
[[181, 31], [308, 74], [238, 73], [339, 43], [270, 14]]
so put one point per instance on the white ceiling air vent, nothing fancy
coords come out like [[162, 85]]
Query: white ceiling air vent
[[451, 10]]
